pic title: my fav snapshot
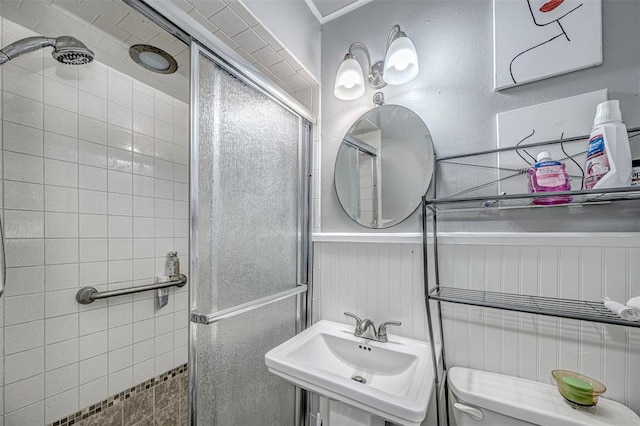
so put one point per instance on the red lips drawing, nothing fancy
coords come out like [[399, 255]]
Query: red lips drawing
[[548, 7]]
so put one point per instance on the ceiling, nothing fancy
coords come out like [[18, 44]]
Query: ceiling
[[235, 25], [109, 28], [328, 10], [327, 7]]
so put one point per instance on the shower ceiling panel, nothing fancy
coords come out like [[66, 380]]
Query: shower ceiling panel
[[108, 28], [232, 23]]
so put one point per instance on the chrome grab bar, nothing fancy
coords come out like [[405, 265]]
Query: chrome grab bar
[[246, 307], [88, 294]]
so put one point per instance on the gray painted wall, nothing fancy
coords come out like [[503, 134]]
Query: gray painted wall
[[454, 95]]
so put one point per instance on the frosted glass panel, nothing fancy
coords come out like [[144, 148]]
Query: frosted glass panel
[[247, 248], [248, 192], [205, 292], [234, 385]]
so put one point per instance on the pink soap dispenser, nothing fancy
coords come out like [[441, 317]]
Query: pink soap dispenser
[[549, 176]]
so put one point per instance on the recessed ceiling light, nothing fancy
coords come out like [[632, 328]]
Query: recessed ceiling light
[[153, 58]]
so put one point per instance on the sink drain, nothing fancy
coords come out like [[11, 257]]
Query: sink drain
[[359, 379]]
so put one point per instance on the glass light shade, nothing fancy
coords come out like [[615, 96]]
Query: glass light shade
[[154, 60], [349, 80], [401, 62]]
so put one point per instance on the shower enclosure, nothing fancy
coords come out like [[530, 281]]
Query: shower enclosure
[[94, 173], [106, 167], [249, 245]]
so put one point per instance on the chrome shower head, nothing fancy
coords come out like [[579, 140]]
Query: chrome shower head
[[66, 49], [71, 51]]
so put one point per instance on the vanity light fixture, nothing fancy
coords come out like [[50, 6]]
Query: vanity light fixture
[[400, 66]]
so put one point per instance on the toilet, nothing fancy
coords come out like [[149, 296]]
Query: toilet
[[480, 398]]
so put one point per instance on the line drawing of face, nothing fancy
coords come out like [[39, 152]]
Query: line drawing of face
[[545, 12]]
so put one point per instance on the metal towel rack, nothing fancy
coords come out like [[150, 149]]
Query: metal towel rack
[[246, 307], [88, 294]]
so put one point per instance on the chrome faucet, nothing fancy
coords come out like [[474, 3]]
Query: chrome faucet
[[366, 329]]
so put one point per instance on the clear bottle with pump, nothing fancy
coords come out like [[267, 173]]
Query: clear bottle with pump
[[549, 176], [609, 156]]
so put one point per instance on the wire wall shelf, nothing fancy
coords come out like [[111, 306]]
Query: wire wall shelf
[[519, 201], [496, 187], [509, 172], [547, 306]]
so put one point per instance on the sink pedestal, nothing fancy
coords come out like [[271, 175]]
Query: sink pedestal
[[336, 413]]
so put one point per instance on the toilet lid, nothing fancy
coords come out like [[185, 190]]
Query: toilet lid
[[534, 402]]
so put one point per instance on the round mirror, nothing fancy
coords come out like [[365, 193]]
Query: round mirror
[[384, 166]]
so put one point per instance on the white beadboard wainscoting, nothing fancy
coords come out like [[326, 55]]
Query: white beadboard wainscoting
[[379, 276]]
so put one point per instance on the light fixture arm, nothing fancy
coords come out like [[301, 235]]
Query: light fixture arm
[[374, 72], [394, 34], [356, 45]]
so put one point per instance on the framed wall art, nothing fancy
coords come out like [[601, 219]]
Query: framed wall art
[[538, 39]]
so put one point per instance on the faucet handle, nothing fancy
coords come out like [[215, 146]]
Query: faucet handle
[[382, 330], [355, 317]]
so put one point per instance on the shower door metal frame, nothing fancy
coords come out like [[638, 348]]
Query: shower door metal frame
[[181, 27], [304, 246]]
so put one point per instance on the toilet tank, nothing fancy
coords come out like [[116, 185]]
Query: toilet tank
[[458, 416], [510, 401]]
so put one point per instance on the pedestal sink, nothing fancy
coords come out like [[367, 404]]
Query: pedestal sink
[[394, 380]]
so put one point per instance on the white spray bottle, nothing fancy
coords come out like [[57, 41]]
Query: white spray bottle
[[609, 157]]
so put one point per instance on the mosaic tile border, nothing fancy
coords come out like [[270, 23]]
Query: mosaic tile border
[[109, 402]]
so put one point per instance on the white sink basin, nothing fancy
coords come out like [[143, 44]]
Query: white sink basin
[[327, 356]]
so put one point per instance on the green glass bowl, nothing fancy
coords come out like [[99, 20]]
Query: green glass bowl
[[578, 388]]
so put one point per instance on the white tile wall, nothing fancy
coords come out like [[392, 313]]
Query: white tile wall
[[384, 281], [94, 188]]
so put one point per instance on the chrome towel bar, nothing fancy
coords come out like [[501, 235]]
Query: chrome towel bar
[[88, 295], [248, 306]]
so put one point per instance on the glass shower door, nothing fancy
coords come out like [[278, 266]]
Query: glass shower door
[[249, 228]]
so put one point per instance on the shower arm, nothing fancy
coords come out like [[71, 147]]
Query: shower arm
[[25, 45]]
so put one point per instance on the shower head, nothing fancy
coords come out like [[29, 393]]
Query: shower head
[[71, 51], [66, 49]]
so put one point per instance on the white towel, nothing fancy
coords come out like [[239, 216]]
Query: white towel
[[623, 311], [634, 302]]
